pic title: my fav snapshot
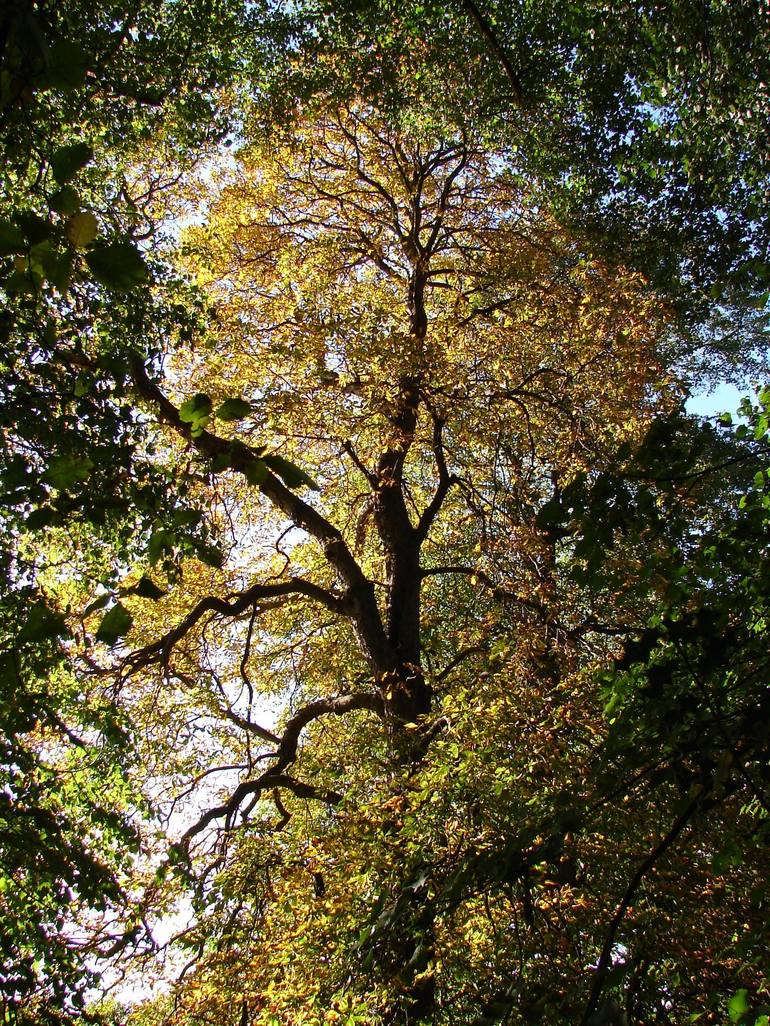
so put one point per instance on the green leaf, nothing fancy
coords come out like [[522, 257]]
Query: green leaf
[[83, 385], [82, 228], [211, 555], [51, 264], [738, 1005], [187, 517], [68, 160], [161, 541], [42, 623], [728, 855], [67, 471], [42, 517], [549, 514], [611, 706], [18, 284], [66, 66], [11, 239], [146, 588], [35, 228], [96, 605], [116, 623], [196, 412], [117, 265], [292, 475], [65, 201], [42, 257], [233, 409], [196, 409], [255, 472]]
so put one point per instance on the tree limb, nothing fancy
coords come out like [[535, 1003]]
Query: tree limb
[[635, 882], [462, 655], [445, 481], [501, 594], [285, 755], [360, 602], [486, 30], [160, 650]]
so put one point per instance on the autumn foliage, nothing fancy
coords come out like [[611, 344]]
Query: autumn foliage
[[386, 643]]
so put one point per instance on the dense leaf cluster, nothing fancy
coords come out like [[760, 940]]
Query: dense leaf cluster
[[456, 280]]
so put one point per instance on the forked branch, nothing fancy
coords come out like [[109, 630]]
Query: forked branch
[[360, 604], [602, 966], [445, 481], [160, 651], [285, 754]]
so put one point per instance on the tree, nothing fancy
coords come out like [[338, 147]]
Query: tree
[[77, 102], [643, 123], [529, 368], [441, 822]]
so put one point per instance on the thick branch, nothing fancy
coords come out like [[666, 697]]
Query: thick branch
[[633, 886], [445, 481], [360, 602], [390, 466], [394, 526], [160, 650], [285, 755], [266, 782], [486, 30], [361, 466]]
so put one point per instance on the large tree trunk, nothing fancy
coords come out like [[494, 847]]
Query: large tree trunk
[[407, 698]]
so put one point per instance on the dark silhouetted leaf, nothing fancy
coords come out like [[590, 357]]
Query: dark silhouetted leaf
[[66, 471], [146, 588], [290, 473], [115, 625], [234, 409], [117, 265], [68, 160]]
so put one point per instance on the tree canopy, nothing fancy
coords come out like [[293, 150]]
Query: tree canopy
[[369, 593]]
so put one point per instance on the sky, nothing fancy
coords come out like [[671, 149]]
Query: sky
[[725, 398]]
